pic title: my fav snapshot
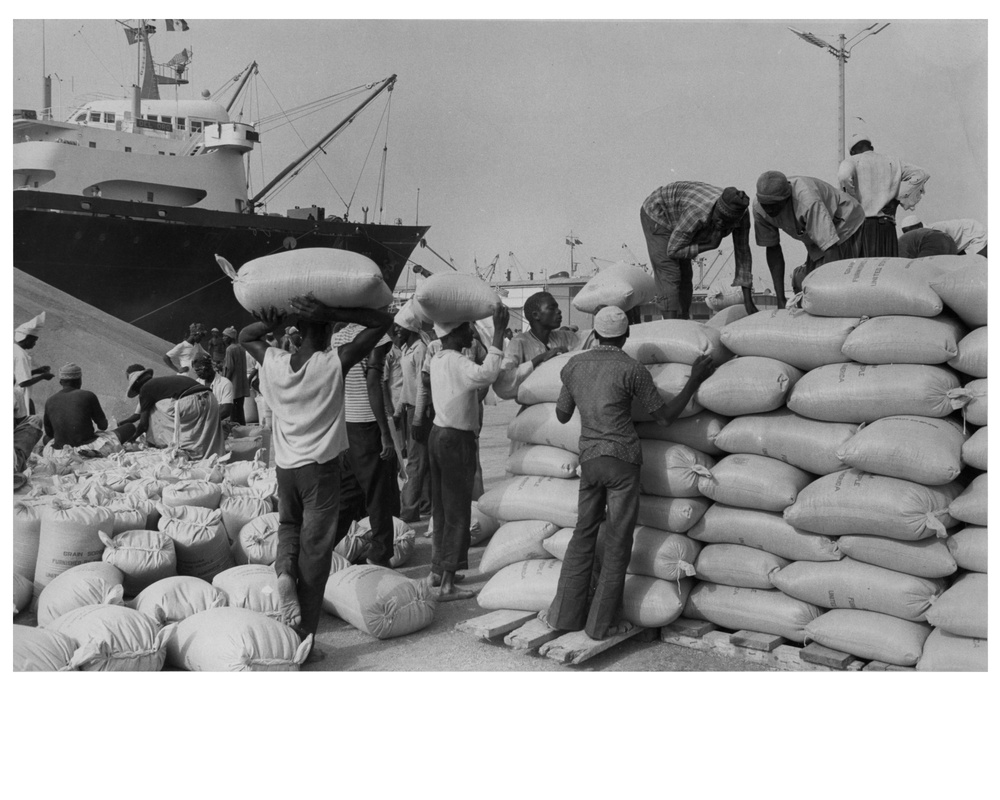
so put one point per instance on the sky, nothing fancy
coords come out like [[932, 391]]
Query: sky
[[517, 133]]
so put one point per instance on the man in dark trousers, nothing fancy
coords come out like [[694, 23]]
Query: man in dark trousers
[[602, 383], [74, 417], [234, 367], [686, 218], [371, 456], [305, 391]]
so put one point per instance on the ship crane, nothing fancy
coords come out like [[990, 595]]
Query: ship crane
[[515, 266], [632, 259], [486, 274]]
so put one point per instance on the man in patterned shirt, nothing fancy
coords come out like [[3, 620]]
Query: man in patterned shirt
[[601, 383], [827, 221], [682, 220]]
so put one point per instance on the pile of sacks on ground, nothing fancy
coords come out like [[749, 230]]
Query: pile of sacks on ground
[[826, 484], [145, 559]]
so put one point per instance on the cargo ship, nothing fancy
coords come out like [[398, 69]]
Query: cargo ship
[[125, 203]]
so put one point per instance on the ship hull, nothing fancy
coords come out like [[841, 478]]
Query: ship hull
[[154, 266]]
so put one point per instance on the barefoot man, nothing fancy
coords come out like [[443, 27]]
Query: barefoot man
[[455, 383], [602, 383], [305, 391]]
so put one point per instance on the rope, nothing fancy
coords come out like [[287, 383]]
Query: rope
[[184, 297]]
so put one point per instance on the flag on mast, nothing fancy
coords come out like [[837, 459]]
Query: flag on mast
[[176, 24]]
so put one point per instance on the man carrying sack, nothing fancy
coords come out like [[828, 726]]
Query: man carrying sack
[[602, 383]]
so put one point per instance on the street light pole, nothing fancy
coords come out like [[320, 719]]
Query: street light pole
[[841, 53]]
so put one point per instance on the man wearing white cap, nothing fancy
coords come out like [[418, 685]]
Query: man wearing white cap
[[74, 417], [25, 374], [918, 241], [234, 367], [456, 381], [602, 383], [881, 184]]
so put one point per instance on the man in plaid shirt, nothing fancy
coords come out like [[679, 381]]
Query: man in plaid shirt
[[686, 218]]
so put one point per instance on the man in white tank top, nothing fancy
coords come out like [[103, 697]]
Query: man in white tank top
[[305, 392]]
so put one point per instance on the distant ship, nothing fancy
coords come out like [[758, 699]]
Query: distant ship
[[125, 204]]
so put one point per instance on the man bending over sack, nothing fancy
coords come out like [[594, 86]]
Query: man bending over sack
[[73, 413], [175, 411], [455, 383], [602, 383], [305, 391]]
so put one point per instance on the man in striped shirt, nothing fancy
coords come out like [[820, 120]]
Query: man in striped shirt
[[371, 456], [684, 219]]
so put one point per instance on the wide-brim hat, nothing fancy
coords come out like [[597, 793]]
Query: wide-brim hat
[[135, 377]]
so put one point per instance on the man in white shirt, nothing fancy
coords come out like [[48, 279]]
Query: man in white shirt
[[305, 391], [179, 357], [968, 234], [221, 386], [878, 181], [455, 384], [26, 374]]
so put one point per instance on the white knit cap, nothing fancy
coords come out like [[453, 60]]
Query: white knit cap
[[29, 328], [610, 322]]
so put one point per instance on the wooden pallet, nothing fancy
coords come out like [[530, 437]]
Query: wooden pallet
[[758, 648], [523, 631]]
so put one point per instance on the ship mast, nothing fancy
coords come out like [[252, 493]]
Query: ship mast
[[255, 200]]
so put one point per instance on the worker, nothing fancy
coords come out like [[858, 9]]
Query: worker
[[876, 180], [305, 390], [544, 339], [686, 218], [179, 357], [27, 432], [456, 382], [216, 348], [919, 242], [602, 384], [234, 367], [175, 410], [74, 418], [415, 499], [371, 455], [968, 234], [25, 373], [827, 221], [221, 386]]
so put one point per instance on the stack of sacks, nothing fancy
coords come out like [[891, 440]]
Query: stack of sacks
[[769, 456], [959, 639], [538, 506], [861, 450]]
